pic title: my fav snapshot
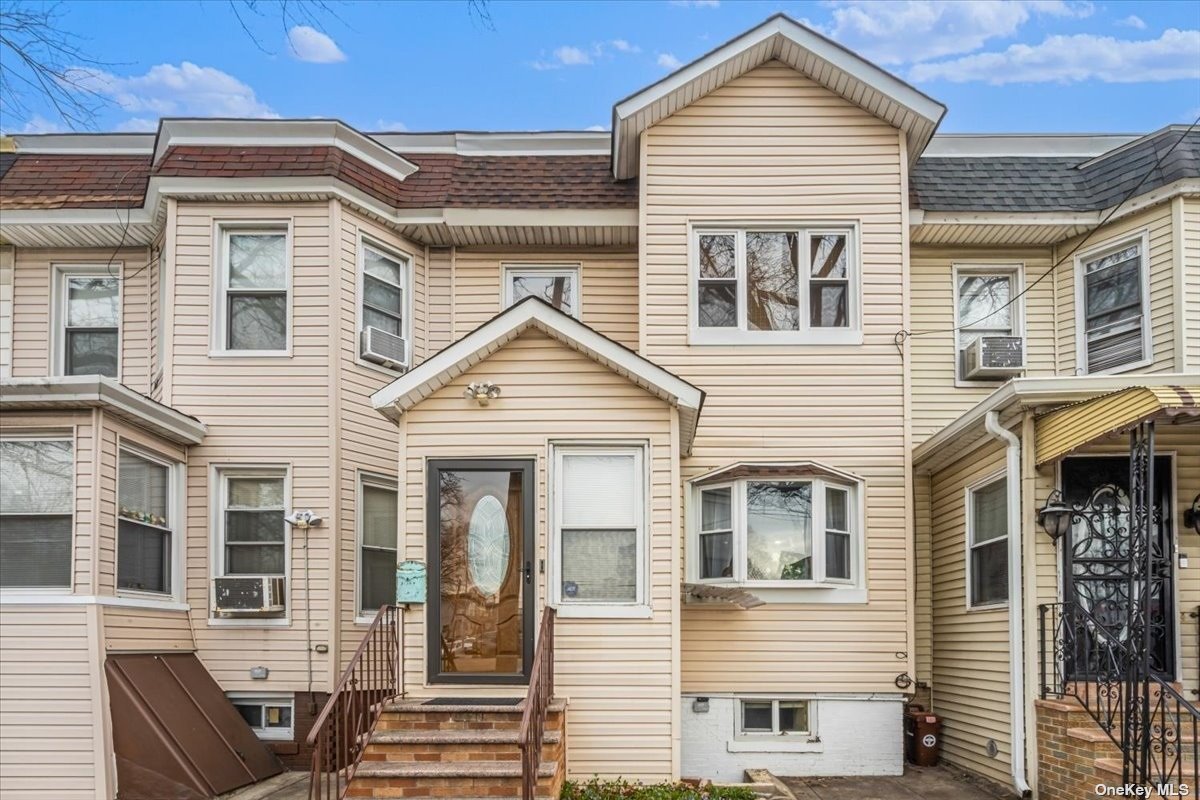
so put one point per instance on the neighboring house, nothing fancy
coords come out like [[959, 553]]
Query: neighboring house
[[658, 380]]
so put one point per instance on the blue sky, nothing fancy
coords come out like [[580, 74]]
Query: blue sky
[[1041, 65]]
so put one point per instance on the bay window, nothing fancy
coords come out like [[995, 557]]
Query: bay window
[[1113, 329], [777, 531], [37, 502], [89, 313], [599, 526], [145, 526], [775, 283], [254, 288]]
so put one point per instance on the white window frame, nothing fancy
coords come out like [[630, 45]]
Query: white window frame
[[969, 539], [640, 607], [1017, 272], [268, 699], [366, 242], [175, 500], [219, 475], [807, 334], [775, 734], [1142, 239], [58, 309], [70, 586], [738, 513], [219, 343], [509, 271], [378, 482]]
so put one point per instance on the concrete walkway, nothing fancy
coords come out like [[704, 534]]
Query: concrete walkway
[[917, 783]]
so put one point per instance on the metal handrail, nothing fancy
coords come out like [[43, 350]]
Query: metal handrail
[[537, 704], [1196, 616], [340, 734]]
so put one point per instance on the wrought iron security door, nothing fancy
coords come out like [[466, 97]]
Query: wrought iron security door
[[1108, 558]]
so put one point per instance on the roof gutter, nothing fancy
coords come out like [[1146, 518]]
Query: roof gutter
[[1016, 603]]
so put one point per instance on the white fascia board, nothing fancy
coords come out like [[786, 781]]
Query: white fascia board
[[109, 144], [96, 390], [513, 321], [1031, 145], [281, 133], [537, 217], [511, 143], [843, 59]]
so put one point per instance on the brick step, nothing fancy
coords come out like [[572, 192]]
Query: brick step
[[1113, 766], [456, 745], [412, 715], [411, 737], [448, 779]]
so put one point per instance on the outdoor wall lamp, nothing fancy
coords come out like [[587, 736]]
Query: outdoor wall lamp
[[1191, 517], [302, 520], [1055, 516], [482, 392]]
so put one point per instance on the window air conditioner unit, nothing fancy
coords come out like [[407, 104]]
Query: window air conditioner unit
[[383, 348], [257, 596], [991, 357]]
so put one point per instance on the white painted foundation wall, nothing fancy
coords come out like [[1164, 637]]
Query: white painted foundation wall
[[859, 735]]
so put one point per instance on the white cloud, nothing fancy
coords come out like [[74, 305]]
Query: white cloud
[[37, 124], [1133, 21], [391, 126], [309, 44], [696, 3], [669, 61], [1081, 57], [184, 90], [625, 47], [572, 56], [138, 125], [596, 128], [918, 30]]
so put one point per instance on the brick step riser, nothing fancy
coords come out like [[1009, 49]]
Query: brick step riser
[[446, 787], [471, 723], [454, 752]]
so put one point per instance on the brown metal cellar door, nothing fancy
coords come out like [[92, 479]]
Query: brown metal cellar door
[[175, 734]]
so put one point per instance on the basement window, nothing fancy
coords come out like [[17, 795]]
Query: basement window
[[774, 718], [269, 716]]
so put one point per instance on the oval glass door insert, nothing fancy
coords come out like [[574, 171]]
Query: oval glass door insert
[[488, 546]]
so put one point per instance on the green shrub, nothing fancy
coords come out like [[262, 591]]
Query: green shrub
[[597, 789]]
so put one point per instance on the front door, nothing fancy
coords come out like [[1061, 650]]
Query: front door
[[1096, 569], [480, 544]]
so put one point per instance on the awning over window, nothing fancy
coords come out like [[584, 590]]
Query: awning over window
[[1066, 429]]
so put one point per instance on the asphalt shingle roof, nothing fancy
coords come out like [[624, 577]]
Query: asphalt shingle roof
[[1034, 183]]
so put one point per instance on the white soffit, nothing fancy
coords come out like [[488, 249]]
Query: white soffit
[[779, 38], [431, 375]]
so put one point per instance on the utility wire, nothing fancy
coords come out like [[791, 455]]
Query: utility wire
[[903, 335]]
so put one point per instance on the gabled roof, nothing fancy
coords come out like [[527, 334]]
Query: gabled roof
[[420, 382], [781, 38]]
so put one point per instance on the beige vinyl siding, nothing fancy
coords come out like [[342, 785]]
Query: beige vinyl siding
[[33, 299], [1191, 274], [7, 257], [936, 400], [971, 680], [923, 610], [439, 316], [366, 439], [615, 673], [609, 287], [154, 280], [259, 411], [51, 712], [1156, 222], [150, 630], [774, 145]]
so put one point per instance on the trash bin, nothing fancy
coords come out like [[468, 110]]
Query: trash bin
[[922, 736]]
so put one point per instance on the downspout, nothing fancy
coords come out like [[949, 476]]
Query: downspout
[[1016, 604]]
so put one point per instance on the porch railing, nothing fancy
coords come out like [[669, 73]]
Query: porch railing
[[537, 704], [339, 735], [1154, 727]]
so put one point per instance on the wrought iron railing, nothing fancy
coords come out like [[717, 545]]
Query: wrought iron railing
[[1154, 727], [537, 704], [1196, 686], [341, 731]]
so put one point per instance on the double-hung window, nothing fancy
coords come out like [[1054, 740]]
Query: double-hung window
[[784, 284], [558, 286], [985, 305], [378, 516], [1113, 326], [385, 282], [254, 291], [987, 544], [253, 534], [37, 501], [145, 527], [777, 532], [90, 313], [600, 526]]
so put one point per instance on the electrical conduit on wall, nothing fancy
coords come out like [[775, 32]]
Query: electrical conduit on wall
[[1015, 598]]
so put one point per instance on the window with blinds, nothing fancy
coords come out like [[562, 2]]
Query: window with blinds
[[144, 528], [90, 323], [253, 533], [600, 525], [378, 521], [1114, 308], [987, 544], [37, 499]]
